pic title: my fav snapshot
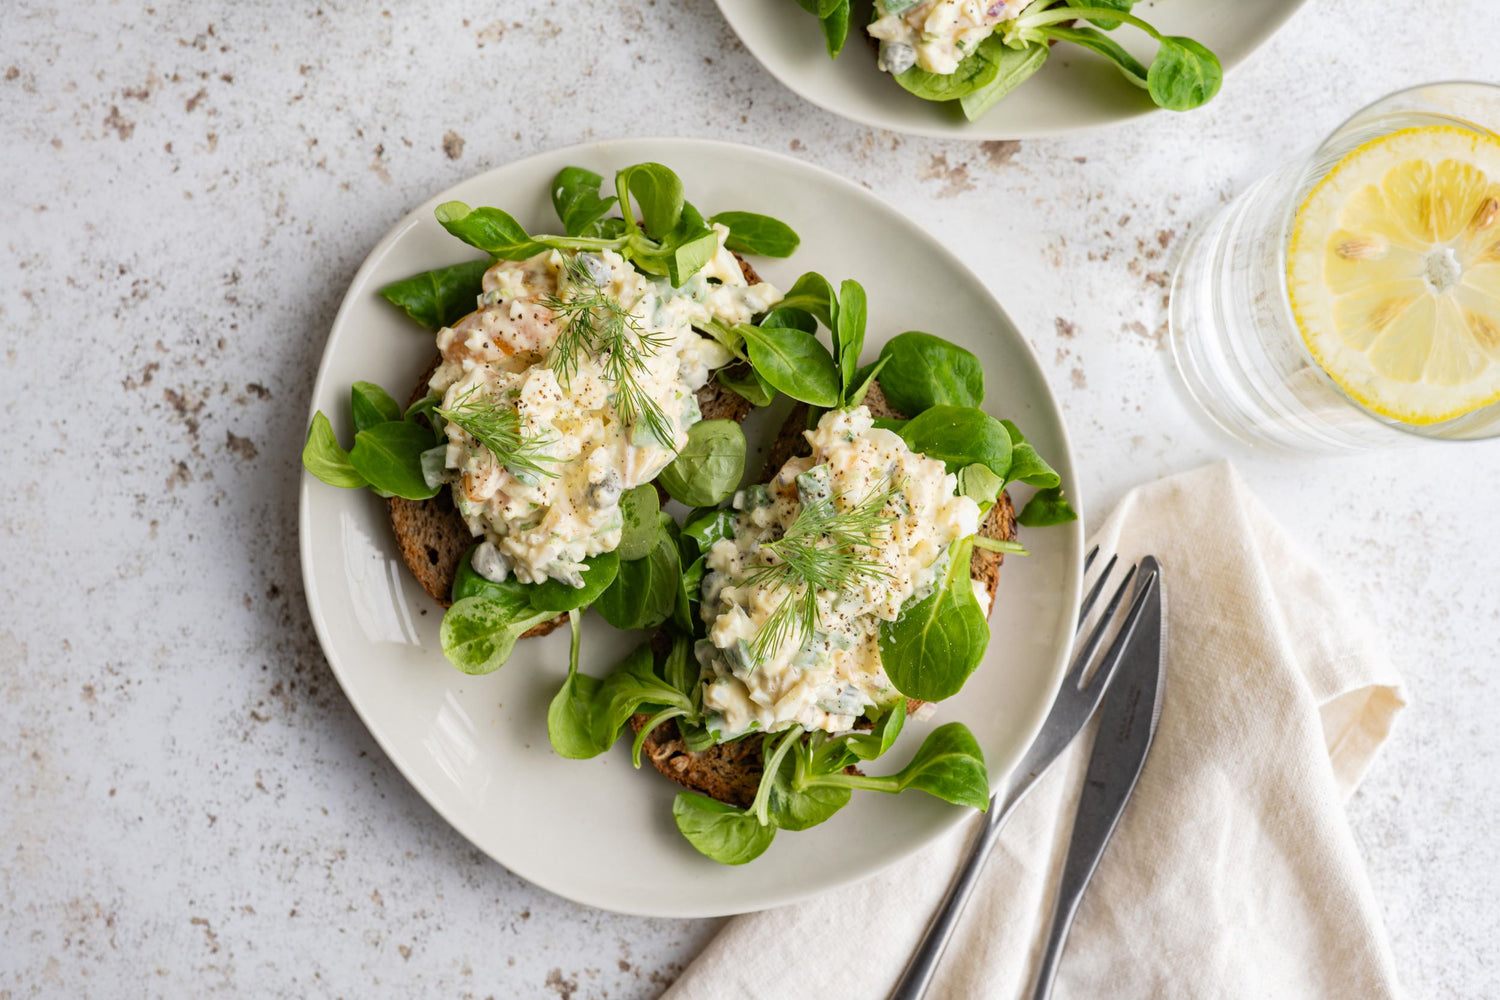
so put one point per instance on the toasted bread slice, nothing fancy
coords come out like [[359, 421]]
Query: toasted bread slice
[[730, 772], [432, 535]]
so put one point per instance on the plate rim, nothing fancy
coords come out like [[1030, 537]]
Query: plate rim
[[313, 598], [973, 131]]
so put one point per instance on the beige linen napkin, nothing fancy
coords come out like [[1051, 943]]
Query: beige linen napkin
[[1233, 872]]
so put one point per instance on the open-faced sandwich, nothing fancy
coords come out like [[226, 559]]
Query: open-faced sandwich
[[572, 381], [825, 602], [582, 379], [977, 51]]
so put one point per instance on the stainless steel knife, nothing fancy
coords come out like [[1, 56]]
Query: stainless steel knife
[[1127, 723]]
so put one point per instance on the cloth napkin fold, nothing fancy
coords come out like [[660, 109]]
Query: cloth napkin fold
[[1233, 872]]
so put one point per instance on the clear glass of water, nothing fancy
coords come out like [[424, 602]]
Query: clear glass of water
[[1233, 333]]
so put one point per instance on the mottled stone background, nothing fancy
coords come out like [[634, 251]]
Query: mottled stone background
[[188, 805]]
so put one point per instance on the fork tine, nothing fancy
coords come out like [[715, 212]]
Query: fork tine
[[1093, 594], [1091, 641], [1116, 651], [1088, 560]]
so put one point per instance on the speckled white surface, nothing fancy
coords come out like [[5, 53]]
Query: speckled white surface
[[189, 805]]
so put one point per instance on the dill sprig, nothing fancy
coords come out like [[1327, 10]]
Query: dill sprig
[[820, 550], [595, 322], [499, 428]]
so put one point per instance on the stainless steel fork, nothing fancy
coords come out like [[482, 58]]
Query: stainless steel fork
[[1079, 695]]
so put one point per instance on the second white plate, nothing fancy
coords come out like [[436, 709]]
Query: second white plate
[[1076, 89]]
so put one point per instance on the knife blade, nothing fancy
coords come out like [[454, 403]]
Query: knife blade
[[1127, 724]]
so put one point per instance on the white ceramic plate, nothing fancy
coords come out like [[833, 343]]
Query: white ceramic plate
[[1075, 89], [476, 747]]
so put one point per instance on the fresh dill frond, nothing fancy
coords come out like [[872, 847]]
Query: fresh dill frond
[[499, 428], [820, 550], [594, 322], [796, 616]]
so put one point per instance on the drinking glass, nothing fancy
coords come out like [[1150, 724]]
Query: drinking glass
[[1233, 335]]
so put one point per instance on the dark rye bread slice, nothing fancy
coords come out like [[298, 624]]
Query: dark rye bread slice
[[730, 772], [431, 534]]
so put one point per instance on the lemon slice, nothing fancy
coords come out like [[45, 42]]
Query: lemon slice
[[1394, 273]]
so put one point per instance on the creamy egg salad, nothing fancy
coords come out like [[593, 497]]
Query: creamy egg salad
[[542, 517], [828, 678], [935, 35]]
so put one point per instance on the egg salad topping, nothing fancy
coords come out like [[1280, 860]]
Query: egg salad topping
[[869, 522], [935, 35], [579, 373]]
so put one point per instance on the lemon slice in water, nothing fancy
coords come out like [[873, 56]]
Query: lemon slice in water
[[1394, 273]]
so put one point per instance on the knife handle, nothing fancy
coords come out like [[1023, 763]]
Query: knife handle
[[1077, 870]]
